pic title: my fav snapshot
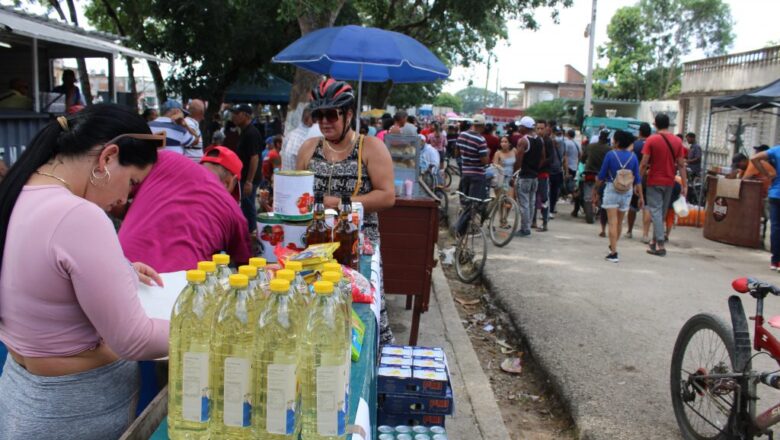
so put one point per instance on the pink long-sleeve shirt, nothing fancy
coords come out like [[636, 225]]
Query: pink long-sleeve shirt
[[65, 283]]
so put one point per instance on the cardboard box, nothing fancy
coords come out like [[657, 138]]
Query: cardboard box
[[404, 404], [384, 418], [413, 381]]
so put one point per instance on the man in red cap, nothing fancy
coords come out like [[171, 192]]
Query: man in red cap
[[226, 165]]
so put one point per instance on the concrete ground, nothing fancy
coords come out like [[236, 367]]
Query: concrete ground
[[477, 416], [604, 332]]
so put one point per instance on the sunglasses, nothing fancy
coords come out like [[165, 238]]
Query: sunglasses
[[330, 115], [159, 138]]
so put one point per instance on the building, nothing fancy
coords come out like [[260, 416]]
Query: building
[[572, 87], [703, 80]]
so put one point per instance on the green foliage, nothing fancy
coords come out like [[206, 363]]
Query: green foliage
[[557, 109], [448, 100], [475, 98], [647, 41]]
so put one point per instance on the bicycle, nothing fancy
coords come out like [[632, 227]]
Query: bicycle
[[471, 248], [721, 381], [437, 193], [504, 217]]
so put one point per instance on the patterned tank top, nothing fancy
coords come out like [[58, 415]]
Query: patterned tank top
[[340, 178]]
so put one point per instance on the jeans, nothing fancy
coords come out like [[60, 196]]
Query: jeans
[[472, 186], [658, 199], [249, 208], [556, 186], [542, 199], [774, 232], [526, 195]]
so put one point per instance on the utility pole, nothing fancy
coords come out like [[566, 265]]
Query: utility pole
[[487, 80], [588, 110]]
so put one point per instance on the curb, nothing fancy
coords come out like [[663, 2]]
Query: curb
[[480, 393]]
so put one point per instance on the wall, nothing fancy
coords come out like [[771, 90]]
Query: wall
[[572, 75], [731, 73], [648, 109], [534, 94]]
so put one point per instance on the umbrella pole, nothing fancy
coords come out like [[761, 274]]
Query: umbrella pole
[[360, 96], [703, 204]]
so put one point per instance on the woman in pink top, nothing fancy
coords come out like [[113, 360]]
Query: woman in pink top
[[69, 311]]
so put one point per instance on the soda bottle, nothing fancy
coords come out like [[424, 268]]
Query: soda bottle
[[188, 367], [318, 230], [223, 270], [277, 389], [346, 234], [231, 368]]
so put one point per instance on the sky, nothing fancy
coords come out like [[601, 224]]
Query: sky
[[555, 45]]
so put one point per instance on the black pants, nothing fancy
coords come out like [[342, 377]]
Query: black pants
[[472, 186], [556, 182]]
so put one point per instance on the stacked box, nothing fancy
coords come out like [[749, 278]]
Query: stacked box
[[414, 386]]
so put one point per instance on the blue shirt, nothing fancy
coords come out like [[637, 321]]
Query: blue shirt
[[612, 163], [472, 148], [774, 159]]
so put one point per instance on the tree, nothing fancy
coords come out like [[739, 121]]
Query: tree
[[556, 109], [448, 100], [476, 98], [86, 89], [647, 41]]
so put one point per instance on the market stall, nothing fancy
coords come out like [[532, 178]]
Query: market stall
[[734, 210]]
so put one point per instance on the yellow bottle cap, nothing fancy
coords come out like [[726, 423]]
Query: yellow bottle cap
[[285, 274], [257, 262], [332, 267], [221, 258], [323, 287], [249, 271], [238, 280], [207, 266], [196, 276], [333, 277], [294, 266], [280, 285]]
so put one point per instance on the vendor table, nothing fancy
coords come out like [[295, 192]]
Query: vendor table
[[732, 220]]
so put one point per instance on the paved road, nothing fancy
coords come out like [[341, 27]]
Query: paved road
[[603, 331]]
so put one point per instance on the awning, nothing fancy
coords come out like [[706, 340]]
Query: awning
[[266, 89], [766, 97], [41, 28]]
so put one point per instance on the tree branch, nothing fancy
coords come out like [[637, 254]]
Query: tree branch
[[112, 15]]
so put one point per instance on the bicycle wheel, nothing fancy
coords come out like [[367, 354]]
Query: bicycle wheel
[[447, 178], [470, 254], [427, 177], [705, 407], [444, 206], [504, 221]]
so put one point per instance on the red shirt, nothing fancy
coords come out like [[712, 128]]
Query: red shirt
[[425, 132], [273, 160], [663, 165], [493, 143], [513, 139]]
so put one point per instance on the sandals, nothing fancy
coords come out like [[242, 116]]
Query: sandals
[[655, 251]]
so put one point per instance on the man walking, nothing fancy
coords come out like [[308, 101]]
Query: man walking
[[571, 159], [530, 155], [555, 137], [593, 156], [644, 132], [249, 149], [542, 204], [694, 155], [294, 140], [474, 154], [197, 111], [661, 155]]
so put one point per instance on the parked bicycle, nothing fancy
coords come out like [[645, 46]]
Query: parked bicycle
[[436, 192], [712, 381], [471, 248]]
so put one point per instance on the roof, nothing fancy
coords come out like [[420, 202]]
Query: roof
[[43, 28], [764, 97]]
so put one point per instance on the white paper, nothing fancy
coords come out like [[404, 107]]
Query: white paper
[[237, 404], [363, 420], [280, 399], [158, 301], [376, 282], [195, 386]]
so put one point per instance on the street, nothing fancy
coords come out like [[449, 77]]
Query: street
[[604, 332]]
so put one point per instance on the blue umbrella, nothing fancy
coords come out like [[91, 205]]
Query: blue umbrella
[[364, 54]]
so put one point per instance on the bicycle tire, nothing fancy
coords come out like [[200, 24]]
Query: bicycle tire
[[687, 392], [444, 206], [427, 177], [468, 261], [499, 235], [447, 178], [589, 212]]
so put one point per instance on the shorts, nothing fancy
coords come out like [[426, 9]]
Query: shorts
[[613, 199]]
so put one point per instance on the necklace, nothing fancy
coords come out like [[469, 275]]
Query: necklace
[[350, 145], [67, 185]]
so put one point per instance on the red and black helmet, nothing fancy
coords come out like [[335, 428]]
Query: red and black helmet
[[331, 93]]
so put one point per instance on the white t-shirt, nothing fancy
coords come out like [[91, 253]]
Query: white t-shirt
[[429, 156], [194, 151]]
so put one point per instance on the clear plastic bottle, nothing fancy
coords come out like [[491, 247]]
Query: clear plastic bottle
[[188, 368], [335, 278], [298, 283], [258, 300], [276, 383], [212, 282], [325, 373], [345, 288], [223, 269], [231, 367], [299, 300], [263, 276]]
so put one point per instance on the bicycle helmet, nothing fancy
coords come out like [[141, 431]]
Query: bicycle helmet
[[331, 93]]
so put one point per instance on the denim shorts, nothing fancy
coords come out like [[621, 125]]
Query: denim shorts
[[614, 199]]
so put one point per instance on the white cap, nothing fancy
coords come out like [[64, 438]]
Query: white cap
[[478, 119], [527, 122]]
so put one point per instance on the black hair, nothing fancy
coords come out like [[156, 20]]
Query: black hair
[[661, 121], [489, 129], [645, 130], [552, 123], [400, 116], [623, 138], [571, 133], [691, 134], [541, 121], [739, 157], [387, 123], [147, 112], [87, 129], [603, 135]]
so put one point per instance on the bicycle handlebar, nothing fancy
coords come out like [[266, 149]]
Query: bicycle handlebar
[[754, 286], [473, 199]]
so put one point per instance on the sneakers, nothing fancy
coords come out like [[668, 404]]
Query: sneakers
[[522, 233], [552, 215], [612, 257], [774, 266], [629, 234]]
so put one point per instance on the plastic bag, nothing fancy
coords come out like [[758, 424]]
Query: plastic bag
[[362, 290], [680, 207]]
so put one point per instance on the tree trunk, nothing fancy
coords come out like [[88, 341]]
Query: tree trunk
[[131, 80], [86, 89], [378, 94], [159, 82]]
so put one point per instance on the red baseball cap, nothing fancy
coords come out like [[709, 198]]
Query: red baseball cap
[[227, 159]]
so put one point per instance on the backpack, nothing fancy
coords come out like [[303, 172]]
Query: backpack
[[624, 180]]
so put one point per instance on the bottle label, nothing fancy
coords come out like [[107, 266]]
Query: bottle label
[[281, 399], [331, 400], [238, 398], [196, 398]]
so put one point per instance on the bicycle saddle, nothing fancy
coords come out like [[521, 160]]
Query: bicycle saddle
[[754, 287], [774, 321]]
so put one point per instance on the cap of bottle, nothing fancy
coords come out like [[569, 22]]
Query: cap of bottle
[[280, 285], [333, 277], [238, 280], [207, 266], [323, 287], [331, 266], [294, 266], [285, 274], [221, 258], [257, 262], [346, 200], [196, 276], [249, 271]]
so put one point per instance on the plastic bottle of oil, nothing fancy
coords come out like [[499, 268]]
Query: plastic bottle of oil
[[212, 282], [188, 369], [263, 276], [299, 301], [231, 364], [325, 375], [223, 269], [344, 287], [335, 278], [298, 283], [255, 293], [346, 234], [276, 383]]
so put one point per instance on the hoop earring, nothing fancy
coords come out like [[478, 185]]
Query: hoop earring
[[94, 178]]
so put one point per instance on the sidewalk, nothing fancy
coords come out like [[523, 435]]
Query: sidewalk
[[477, 416]]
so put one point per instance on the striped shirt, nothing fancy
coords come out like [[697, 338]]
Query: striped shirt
[[176, 136], [292, 145], [472, 148]]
